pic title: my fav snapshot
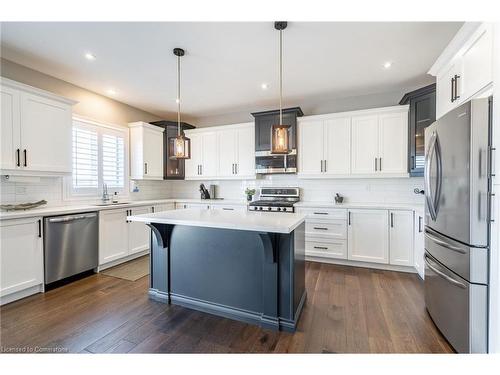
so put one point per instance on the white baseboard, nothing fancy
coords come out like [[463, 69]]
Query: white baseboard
[[116, 262], [352, 263], [21, 294]]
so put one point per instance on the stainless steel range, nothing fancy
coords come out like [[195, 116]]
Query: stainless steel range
[[276, 199]]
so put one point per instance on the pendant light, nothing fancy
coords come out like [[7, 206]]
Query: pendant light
[[280, 139], [180, 146]]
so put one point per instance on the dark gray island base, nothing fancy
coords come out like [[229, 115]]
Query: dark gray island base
[[250, 276]]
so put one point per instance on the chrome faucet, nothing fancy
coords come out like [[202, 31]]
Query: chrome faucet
[[105, 195]]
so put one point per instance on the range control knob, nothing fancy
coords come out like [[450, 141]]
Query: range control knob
[[260, 208], [278, 209], [269, 208]]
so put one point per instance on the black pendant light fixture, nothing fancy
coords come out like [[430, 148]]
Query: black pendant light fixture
[[280, 139], [180, 146]]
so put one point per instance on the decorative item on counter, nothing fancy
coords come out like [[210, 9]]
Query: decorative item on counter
[[115, 197], [22, 206], [250, 193], [339, 198]]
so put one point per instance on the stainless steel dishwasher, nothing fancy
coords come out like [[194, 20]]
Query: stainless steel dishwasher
[[70, 245]]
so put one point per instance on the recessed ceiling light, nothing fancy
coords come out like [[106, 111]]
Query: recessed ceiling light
[[264, 86], [111, 92], [89, 56], [387, 64]]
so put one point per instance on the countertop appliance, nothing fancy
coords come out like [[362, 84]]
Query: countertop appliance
[[276, 199], [70, 245], [457, 219], [265, 162]]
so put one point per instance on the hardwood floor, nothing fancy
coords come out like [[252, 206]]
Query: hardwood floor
[[348, 310]]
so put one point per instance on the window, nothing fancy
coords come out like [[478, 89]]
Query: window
[[99, 157]]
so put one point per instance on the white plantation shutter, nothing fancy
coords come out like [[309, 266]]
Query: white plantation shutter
[[85, 159], [99, 157], [113, 160]]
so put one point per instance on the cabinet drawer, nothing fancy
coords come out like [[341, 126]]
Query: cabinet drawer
[[335, 249], [331, 228], [324, 213]]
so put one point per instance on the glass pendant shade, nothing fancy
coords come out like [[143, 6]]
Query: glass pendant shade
[[280, 140], [179, 147]]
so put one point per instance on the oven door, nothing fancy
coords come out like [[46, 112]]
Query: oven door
[[267, 163]]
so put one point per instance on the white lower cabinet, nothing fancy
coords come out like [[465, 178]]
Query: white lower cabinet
[[138, 233], [228, 207], [21, 255], [419, 243], [401, 238], [163, 207], [119, 238], [368, 236], [181, 205], [327, 248]]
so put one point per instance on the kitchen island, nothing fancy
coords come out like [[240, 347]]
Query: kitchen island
[[242, 265]]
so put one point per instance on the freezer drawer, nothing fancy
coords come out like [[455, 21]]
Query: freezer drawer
[[457, 307], [70, 245], [470, 263]]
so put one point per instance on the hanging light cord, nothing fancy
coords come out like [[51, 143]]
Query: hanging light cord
[[178, 96], [281, 77]]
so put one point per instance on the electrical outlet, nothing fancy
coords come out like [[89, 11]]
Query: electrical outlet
[[20, 189]]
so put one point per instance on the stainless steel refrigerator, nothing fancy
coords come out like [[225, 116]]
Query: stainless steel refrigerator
[[457, 217]]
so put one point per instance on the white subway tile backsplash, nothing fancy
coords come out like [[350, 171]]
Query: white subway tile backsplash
[[383, 190]]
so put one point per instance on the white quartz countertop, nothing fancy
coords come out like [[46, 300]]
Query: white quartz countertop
[[382, 205], [73, 209], [273, 222]]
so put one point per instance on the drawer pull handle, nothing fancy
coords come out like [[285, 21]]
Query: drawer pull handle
[[320, 228], [321, 247], [320, 213]]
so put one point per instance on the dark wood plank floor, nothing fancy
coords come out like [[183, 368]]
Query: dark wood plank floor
[[348, 310]]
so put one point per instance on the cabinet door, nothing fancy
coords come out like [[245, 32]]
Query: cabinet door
[[401, 238], [209, 152], [113, 235], [21, 252], [444, 95], [368, 236], [46, 134], [138, 233], [311, 143], [364, 144], [228, 207], [393, 143], [246, 152], [10, 128], [193, 165], [227, 141], [337, 146], [153, 154], [419, 243], [477, 62], [422, 114]]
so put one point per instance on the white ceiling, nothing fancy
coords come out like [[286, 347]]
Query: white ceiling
[[226, 63]]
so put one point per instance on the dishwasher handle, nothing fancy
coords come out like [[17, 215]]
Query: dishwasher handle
[[66, 219]]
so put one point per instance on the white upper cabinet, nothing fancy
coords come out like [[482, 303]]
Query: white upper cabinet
[[393, 143], [366, 143], [146, 151], [465, 67], [36, 130], [364, 147], [337, 150], [311, 147], [222, 152]]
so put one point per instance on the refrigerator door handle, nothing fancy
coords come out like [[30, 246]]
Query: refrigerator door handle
[[444, 243], [439, 181], [442, 274], [427, 177]]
